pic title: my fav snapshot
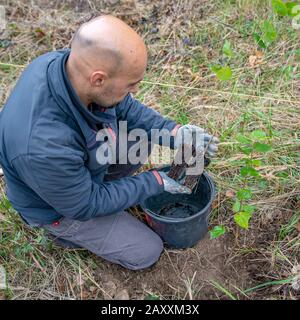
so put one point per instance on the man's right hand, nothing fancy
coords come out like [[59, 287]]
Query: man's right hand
[[170, 185], [202, 139]]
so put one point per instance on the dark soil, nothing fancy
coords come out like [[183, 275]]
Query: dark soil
[[178, 210]]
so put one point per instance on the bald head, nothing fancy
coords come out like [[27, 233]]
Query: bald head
[[107, 42], [107, 61]]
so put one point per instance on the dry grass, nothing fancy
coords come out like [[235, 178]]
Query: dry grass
[[184, 38]]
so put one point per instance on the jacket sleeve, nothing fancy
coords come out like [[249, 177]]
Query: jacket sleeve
[[139, 116], [63, 181]]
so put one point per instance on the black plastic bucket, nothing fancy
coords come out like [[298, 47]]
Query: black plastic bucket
[[185, 224]]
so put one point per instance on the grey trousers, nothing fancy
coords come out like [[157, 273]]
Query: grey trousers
[[118, 238]]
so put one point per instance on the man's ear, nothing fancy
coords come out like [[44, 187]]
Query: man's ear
[[97, 78]]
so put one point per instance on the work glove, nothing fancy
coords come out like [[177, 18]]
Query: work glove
[[194, 135], [170, 185]]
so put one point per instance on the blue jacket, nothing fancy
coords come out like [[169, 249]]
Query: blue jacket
[[48, 146]]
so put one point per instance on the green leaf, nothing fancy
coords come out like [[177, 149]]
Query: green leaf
[[247, 208], [259, 41], [261, 147], [227, 51], [246, 150], [269, 32], [223, 73], [242, 219], [215, 68], [258, 135], [279, 7], [248, 162], [248, 171], [242, 139], [236, 206], [252, 163], [244, 194], [216, 232], [256, 163], [290, 9]]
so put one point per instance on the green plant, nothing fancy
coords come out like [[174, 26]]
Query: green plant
[[216, 232], [266, 36], [284, 8], [279, 7], [224, 73], [249, 145], [256, 142]]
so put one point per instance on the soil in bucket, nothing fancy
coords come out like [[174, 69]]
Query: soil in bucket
[[178, 210], [181, 219]]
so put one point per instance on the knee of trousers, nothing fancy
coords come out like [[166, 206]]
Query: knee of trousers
[[144, 254]]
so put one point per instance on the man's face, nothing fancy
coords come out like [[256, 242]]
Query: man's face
[[115, 88]]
